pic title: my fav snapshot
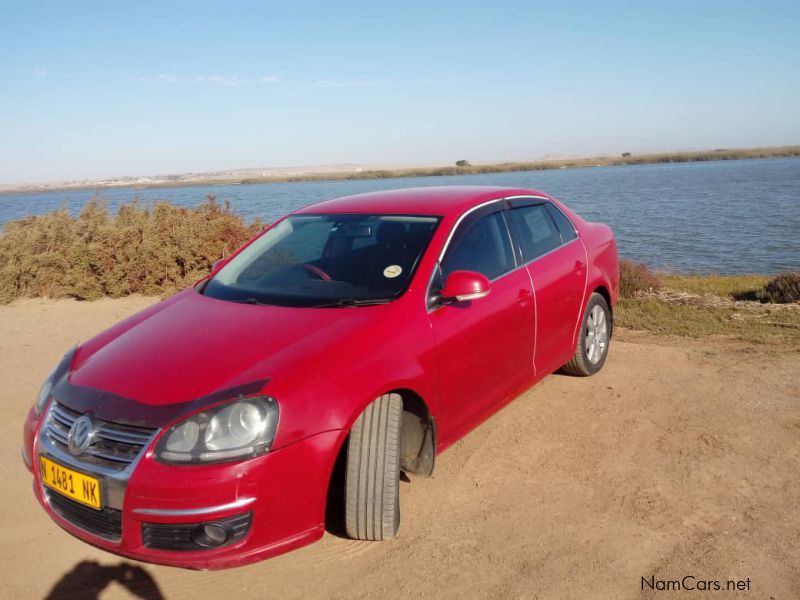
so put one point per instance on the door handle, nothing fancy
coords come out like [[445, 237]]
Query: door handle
[[524, 297], [579, 265]]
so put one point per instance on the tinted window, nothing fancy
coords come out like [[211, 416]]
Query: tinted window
[[537, 230], [327, 260], [482, 246], [565, 227]]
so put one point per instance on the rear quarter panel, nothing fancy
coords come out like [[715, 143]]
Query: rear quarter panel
[[601, 252], [601, 248], [601, 257]]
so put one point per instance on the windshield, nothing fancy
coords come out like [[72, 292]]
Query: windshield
[[327, 260]]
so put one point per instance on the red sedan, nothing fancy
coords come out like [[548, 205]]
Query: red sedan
[[352, 340]]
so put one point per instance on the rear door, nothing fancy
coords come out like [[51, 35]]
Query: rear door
[[548, 244], [484, 347]]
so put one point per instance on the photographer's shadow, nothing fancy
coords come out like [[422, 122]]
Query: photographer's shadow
[[88, 579]]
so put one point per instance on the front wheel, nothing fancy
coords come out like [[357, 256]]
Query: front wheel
[[593, 340], [372, 478]]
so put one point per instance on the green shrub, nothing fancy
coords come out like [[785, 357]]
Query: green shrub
[[137, 251], [783, 289], [636, 277]]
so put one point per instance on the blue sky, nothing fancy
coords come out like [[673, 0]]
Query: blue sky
[[125, 88]]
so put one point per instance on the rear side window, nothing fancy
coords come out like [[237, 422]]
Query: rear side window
[[482, 246], [537, 230], [565, 227]]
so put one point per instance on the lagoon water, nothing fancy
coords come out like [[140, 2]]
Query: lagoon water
[[726, 217]]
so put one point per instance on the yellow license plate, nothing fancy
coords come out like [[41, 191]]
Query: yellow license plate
[[69, 483]]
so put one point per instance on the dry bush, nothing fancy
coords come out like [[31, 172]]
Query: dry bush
[[137, 251], [636, 277], [785, 288]]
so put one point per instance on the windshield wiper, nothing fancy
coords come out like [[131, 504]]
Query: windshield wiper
[[341, 303], [250, 301]]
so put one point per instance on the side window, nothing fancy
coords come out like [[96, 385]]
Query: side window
[[481, 246], [537, 230], [565, 227]]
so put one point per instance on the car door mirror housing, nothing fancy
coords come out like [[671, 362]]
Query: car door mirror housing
[[462, 286]]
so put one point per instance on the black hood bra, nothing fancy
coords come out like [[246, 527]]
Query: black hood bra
[[112, 407]]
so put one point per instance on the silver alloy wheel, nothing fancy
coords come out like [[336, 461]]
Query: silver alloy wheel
[[596, 340]]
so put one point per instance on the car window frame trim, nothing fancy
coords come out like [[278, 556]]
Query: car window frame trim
[[430, 298], [519, 260], [506, 226], [553, 204], [563, 214]]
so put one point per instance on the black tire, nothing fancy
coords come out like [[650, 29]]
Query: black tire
[[580, 364], [372, 477]]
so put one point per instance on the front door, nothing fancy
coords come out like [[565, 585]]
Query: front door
[[485, 346]]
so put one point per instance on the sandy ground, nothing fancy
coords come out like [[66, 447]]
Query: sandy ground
[[679, 458]]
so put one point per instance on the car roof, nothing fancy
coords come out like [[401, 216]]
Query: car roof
[[438, 200]]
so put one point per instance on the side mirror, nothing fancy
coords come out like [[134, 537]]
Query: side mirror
[[462, 286]]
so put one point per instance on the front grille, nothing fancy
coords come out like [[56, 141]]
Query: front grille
[[105, 523], [181, 536], [113, 445]]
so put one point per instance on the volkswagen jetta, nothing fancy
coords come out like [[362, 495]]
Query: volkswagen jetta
[[350, 341]]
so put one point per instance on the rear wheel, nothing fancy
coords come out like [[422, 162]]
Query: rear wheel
[[372, 478], [594, 339]]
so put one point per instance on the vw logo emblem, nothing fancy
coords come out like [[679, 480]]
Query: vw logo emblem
[[80, 435]]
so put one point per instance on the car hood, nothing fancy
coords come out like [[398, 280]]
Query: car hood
[[192, 346]]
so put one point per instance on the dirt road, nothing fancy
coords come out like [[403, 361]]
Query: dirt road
[[679, 459]]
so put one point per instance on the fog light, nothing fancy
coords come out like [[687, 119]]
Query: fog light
[[210, 534]]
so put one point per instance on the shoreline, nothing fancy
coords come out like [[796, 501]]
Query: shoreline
[[476, 169]]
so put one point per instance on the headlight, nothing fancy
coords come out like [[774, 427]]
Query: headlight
[[55, 375], [242, 429]]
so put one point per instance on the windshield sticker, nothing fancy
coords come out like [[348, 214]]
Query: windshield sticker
[[392, 271]]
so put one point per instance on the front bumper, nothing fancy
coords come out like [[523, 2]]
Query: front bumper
[[284, 491]]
